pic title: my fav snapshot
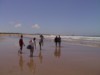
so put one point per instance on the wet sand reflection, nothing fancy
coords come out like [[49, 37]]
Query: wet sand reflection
[[66, 60], [40, 56], [57, 52], [21, 62], [31, 65]]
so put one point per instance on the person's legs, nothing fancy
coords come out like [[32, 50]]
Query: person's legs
[[40, 45], [21, 47], [41, 42], [31, 52], [35, 45]]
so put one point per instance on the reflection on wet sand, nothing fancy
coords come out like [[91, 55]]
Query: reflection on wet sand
[[68, 60], [21, 62], [57, 52], [31, 65], [40, 56]]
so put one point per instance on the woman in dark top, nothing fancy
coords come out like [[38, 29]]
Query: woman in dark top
[[21, 44], [59, 41], [56, 40]]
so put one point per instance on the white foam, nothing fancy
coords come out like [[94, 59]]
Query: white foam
[[86, 40]]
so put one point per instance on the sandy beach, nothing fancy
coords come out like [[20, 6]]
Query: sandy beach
[[70, 59]]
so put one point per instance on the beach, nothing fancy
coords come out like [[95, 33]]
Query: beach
[[70, 59]]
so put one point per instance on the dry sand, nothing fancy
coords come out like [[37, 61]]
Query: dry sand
[[70, 59]]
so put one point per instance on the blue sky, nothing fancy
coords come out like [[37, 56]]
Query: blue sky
[[78, 17]]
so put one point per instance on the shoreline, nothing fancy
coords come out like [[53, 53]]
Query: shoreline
[[76, 59], [77, 40]]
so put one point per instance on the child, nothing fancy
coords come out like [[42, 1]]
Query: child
[[32, 48], [34, 40]]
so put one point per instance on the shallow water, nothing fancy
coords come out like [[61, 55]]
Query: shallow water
[[70, 59]]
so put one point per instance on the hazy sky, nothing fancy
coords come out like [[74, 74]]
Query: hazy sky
[[79, 17]]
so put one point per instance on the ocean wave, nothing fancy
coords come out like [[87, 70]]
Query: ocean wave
[[83, 40]]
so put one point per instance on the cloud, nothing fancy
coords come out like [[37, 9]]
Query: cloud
[[18, 25], [15, 24], [36, 26]]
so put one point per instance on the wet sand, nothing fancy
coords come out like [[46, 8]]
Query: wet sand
[[70, 59]]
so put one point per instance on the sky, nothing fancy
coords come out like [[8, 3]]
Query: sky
[[67, 17]]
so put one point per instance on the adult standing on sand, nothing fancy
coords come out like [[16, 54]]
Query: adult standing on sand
[[56, 40], [41, 42], [59, 41], [42, 39], [21, 44], [34, 40]]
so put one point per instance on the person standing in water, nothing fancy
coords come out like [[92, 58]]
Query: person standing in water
[[21, 44], [59, 41], [56, 40], [32, 48], [34, 40], [41, 41]]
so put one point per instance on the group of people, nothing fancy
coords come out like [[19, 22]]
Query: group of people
[[57, 41], [32, 43]]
